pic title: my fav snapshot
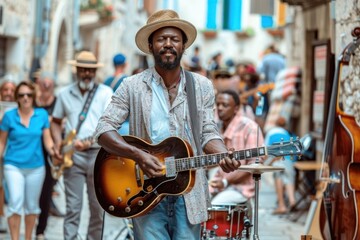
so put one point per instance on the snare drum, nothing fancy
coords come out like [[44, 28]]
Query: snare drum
[[225, 222]]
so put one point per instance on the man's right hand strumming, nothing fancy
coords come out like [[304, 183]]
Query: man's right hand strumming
[[150, 165]]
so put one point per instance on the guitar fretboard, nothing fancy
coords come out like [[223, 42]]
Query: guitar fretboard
[[185, 164]]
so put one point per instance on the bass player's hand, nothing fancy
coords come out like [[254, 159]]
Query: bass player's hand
[[56, 156], [57, 161], [82, 145]]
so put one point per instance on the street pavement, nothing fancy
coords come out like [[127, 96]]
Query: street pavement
[[270, 226]]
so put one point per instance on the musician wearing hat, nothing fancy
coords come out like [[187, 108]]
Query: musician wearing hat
[[160, 104], [82, 104]]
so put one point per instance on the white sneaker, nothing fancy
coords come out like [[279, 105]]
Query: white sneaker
[[40, 237], [3, 225]]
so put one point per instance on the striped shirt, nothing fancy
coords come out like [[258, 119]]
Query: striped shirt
[[242, 134]]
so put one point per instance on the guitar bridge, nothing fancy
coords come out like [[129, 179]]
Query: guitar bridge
[[170, 166]]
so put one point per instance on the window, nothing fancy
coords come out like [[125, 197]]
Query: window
[[231, 12]]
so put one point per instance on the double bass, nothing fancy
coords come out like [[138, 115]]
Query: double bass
[[340, 172]]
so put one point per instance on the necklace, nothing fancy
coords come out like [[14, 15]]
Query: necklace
[[175, 85]]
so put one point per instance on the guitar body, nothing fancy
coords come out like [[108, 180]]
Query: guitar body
[[57, 171], [339, 218], [124, 191], [68, 162]]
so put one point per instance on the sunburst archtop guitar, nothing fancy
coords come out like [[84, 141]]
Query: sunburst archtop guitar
[[124, 191]]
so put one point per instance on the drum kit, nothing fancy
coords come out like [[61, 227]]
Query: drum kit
[[231, 221]]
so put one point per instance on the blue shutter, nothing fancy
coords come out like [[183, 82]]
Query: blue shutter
[[267, 21], [235, 13], [211, 14]]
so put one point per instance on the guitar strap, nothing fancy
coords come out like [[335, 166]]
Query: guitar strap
[[85, 109], [191, 97]]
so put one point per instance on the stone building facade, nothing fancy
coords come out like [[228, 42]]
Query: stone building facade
[[48, 33], [326, 23]]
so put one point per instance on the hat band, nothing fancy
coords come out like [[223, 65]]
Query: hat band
[[87, 61]]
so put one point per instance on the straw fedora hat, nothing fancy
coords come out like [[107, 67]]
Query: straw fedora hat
[[160, 19], [85, 59]]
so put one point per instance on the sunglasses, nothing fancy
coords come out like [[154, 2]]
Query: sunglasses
[[84, 70], [29, 95]]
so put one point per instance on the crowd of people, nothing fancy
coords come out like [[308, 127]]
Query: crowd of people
[[153, 104]]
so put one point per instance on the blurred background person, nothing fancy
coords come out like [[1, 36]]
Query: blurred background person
[[71, 105], [215, 63], [272, 63], [284, 179], [241, 69], [22, 132], [46, 99], [198, 69], [239, 132], [195, 59], [7, 97], [7, 91], [249, 93], [114, 82], [221, 80], [137, 70], [120, 65]]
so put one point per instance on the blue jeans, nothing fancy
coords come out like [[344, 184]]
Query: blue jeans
[[168, 220]]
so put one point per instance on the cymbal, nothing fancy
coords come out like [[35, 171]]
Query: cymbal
[[259, 168]]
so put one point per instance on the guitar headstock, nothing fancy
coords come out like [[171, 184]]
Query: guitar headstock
[[286, 148], [264, 88]]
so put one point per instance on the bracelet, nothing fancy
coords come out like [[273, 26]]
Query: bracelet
[[225, 182]]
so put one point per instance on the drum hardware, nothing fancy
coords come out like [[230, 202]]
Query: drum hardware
[[257, 169], [225, 222]]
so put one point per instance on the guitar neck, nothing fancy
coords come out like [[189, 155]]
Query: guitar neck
[[185, 164]]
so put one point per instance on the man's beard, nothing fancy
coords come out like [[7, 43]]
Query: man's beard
[[167, 65], [86, 86]]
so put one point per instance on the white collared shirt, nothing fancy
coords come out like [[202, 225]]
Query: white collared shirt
[[70, 102]]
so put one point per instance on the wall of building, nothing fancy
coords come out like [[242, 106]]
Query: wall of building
[[227, 42], [334, 21], [60, 48], [305, 27], [18, 29], [119, 37], [347, 19]]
